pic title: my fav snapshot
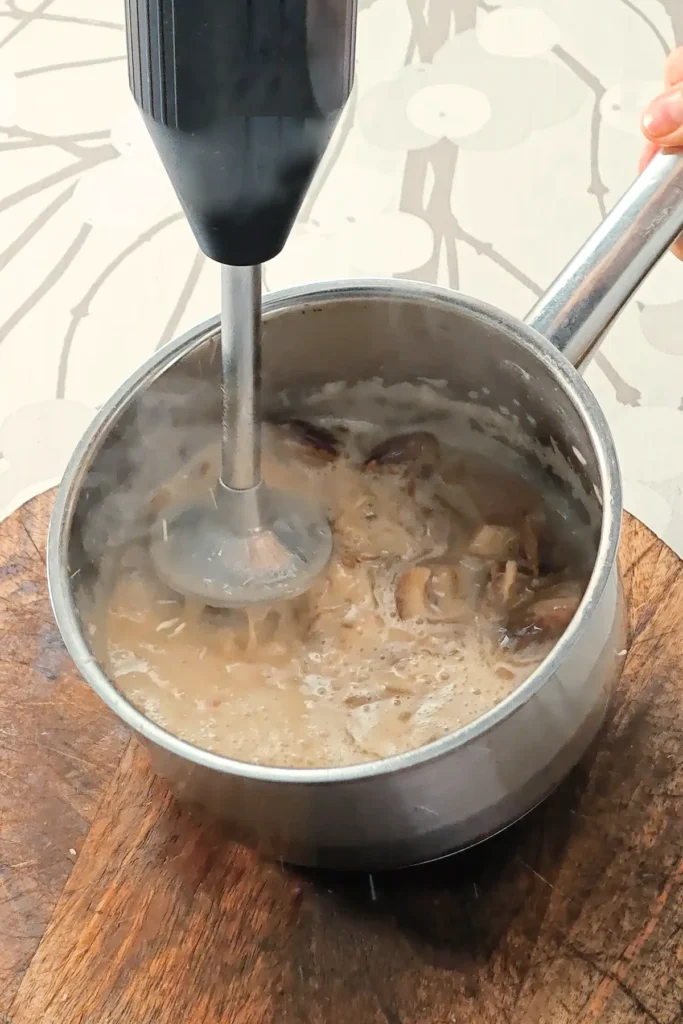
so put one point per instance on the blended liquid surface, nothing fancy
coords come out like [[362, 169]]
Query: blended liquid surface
[[445, 590]]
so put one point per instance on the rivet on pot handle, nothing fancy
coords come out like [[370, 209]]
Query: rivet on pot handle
[[585, 298]]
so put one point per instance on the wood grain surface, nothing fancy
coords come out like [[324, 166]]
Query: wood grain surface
[[58, 746], [574, 915]]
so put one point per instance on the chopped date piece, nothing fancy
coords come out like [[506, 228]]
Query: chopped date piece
[[441, 593], [411, 596], [448, 591], [418, 450], [311, 438], [546, 615]]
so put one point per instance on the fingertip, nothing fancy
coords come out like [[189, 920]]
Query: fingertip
[[662, 122], [649, 150]]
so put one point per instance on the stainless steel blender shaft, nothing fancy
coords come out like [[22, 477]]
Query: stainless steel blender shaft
[[241, 377], [241, 543]]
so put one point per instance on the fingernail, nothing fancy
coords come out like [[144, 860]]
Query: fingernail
[[664, 115]]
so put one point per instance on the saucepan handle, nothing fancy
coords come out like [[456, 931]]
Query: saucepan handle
[[585, 298]]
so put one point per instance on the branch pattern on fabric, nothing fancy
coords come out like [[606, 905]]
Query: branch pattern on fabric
[[483, 142]]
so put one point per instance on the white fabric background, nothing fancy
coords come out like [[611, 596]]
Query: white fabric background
[[482, 145]]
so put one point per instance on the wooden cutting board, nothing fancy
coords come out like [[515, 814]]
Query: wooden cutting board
[[117, 908]]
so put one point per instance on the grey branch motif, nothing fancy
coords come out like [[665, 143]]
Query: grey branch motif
[[429, 32], [674, 9], [94, 157], [25, 139], [432, 25], [650, 24], [488, 250], [24, 19], [82, 309], [184, 297], [425, 40], [597, 186], [85, 158], [88, 150], [7, 147], [442, 158], [35, 226], [49, 281], [16, 13], [427, 35], [79, 146], [624, 392], [29, 72]]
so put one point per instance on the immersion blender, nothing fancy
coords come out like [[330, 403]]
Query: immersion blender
[[240, 98]]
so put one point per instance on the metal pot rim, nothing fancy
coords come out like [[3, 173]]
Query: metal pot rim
[[319, 294]]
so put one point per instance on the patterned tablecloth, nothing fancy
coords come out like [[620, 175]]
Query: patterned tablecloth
[[482, 144]]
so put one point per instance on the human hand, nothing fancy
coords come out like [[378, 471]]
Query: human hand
[[662, 120]]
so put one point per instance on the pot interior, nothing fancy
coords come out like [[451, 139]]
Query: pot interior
[[495, 383]]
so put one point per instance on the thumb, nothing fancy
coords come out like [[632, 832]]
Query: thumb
[[649, 150], [663, 119]]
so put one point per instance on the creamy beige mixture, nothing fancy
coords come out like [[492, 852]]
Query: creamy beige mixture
[[443, 593]]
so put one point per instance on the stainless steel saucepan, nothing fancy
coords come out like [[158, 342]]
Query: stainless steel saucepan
[[462, 788]]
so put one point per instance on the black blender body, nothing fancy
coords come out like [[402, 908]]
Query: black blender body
[[241, 98]]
